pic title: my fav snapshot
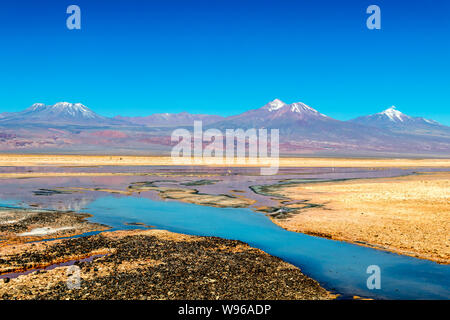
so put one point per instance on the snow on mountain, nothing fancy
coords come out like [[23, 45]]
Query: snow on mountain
[[394, 115], [274, 105], [396, 121], [274, 114], [299, 122], [64, 110], [298, 107], [386, 118], [36, 107], [431, 121], [61, 112]]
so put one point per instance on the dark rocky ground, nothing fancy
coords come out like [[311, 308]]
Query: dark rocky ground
[[153, 264]]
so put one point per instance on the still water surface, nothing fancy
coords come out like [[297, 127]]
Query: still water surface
[[337, 265]]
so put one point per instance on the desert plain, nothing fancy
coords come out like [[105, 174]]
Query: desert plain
[[107, 160], [409, 215]]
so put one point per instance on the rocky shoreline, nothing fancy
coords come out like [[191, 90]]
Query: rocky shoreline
[[20, 225], [150, 264]]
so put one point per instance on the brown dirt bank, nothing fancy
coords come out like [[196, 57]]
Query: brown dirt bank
[[408, 215], [155, 264]]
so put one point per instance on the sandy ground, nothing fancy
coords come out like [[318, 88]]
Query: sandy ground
[[151, 264], [409, 215], [85, 160]]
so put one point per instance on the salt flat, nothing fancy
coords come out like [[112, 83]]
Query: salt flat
[[88, 160]]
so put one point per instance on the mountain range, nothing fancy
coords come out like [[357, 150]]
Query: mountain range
[[74, 128]]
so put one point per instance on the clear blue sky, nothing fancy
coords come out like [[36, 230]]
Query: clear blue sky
[[226, 56]]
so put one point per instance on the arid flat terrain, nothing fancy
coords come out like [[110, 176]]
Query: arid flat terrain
[[408, 215], [86, 160]]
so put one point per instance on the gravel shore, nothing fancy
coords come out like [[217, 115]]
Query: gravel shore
[[151, 264], [20, 225]]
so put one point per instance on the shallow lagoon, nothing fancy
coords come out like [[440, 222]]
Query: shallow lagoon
[[337, 265]]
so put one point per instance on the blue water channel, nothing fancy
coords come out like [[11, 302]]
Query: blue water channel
[[336, 265]]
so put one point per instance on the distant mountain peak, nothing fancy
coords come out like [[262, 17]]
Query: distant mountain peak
[[61, 112], [394, 115], [58, 105], [76, 110], [36, 106], [393, 120], [297, 108], [300, 107], [68, 105], [274, 105]]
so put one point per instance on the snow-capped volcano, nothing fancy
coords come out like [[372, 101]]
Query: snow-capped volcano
[[296, 121], [297, 107], [276, 112], [61, 112], [393, 119]]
